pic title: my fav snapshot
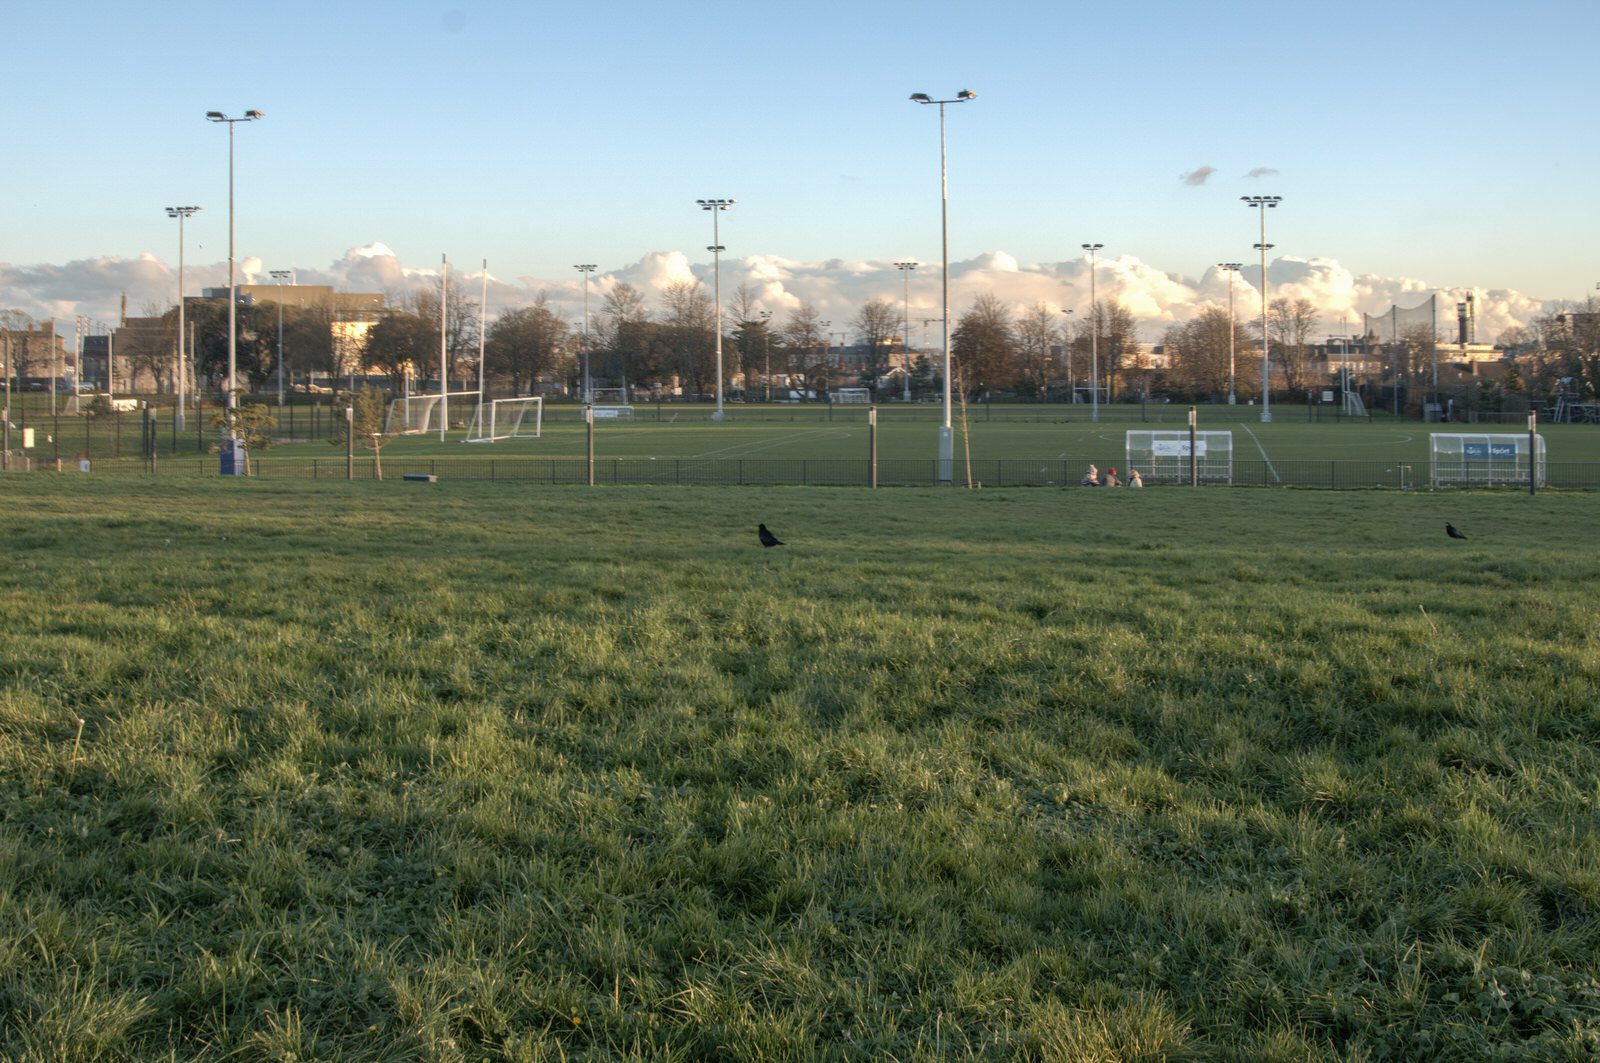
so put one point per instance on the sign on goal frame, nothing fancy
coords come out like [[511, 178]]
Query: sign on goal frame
[[1162, 455], [498, 419], [1486, 459]]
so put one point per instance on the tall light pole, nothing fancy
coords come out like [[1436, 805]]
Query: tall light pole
[[1263, 204], [181, 213], [444, 345], [1066, 345], [905, 269], [233, 290], [716, 207], [827, 355], [281, 275], [1230, 268], [946, 430], [586, 269], [766, 342], [1094, 335]]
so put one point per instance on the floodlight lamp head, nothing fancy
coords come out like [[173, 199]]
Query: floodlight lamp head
[[250, 115], [921, 97], [966, 94], [215, 116]]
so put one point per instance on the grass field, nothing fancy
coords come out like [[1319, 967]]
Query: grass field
[[371, 771]]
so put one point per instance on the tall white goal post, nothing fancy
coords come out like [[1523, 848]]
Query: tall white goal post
[[415, 414], [1163, 456], [1477, 458], [497, 419], [849, 395]]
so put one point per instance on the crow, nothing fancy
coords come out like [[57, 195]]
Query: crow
[[767, 538], [1450, 530]]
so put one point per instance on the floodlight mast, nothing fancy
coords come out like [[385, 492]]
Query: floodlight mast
[[905, 269], [946, 430], [716, 207], [586, 268], [181, 213], [281, 275], [1263, 204], [1230, 268], [1094, 336], [233, 289]]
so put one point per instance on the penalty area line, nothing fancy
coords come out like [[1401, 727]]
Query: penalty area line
[[1263, 451]]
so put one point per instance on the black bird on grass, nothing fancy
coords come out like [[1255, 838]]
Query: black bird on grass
[[1452, 531], [767, 538]]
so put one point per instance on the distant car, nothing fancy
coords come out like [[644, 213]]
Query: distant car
[[36, 385]]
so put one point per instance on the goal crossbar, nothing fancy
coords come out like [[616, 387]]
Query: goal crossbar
[[497, 419]]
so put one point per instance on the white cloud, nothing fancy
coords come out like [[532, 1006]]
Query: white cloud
[[836, 288]]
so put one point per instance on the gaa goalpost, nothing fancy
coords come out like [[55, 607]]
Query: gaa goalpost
[[1163, 456], [497, 419], [416, 414], [1479, 458]]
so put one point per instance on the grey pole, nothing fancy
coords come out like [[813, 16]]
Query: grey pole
[[181, 213], [872, 446], [233, 290], [905, 269], [1263, 204], [1094, 335], [1230, 268], [716, 206], [280, 275], [947, 429], [586, 269]]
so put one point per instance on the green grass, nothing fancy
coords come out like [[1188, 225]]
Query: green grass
[[397, 771]]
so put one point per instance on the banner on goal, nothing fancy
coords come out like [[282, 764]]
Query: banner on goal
[[497, 419]]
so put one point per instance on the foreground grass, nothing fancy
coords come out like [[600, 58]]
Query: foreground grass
[[386, 771]]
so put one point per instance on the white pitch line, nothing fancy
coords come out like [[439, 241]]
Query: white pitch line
[[1263, 450]]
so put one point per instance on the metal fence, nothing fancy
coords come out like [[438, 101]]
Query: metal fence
[[817, 472]]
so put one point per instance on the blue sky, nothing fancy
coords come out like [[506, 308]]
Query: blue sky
[[1444, 141]]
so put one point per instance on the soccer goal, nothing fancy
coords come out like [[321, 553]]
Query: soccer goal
[[611, 404], [521, 418], [860, 395], [1163, 456], [415, 414], [1467, 458]]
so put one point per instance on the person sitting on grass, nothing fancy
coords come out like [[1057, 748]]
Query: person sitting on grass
[[1134, 479], [1091, 478], [1110, 477]]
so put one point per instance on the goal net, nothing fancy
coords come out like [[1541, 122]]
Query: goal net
[[521, 418], [862, 395], [420, 413], [608, 396], [1163, 456], [1466, 458]]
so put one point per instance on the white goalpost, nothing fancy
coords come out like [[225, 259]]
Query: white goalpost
[[861, 395], [1478, 458], [415, 414], [1163, 456], [497, 419]]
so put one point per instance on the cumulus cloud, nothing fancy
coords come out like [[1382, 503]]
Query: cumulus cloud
[[1197, 176], [835, 288], [1262, 171]]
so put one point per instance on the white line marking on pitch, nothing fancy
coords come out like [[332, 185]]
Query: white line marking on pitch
[[1263, 450]]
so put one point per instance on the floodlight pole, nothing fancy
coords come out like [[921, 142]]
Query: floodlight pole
[[444, 346], [233, 289], [586, 269], [483, 328], [947, 429], [1066, 345], [1263, 204], [181, 213], [905, 269], [1094, 336], [281, 275], [1230, 268], [766, 342], [716, 207]]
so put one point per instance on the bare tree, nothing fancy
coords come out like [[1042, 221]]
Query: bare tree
[[877, 323], [803, 339], [1199, 353], [1036, 339], [1290, 325], [525, 343]]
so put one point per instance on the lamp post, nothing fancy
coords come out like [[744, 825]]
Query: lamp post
[[1066, 345], [1263, 204], [233, 291], [1094, 336], [905, 269], [1230, 268], [716, 207], [181, 213], [946, 430], [586, 268], [766, 342], [281, 275], [827, 356]]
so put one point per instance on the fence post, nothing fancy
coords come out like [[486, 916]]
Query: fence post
[[1194, 457], [872, 446], [349, 443], [1533, 452], [588, 436]]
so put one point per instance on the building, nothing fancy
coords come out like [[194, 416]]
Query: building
[[33, 356]]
